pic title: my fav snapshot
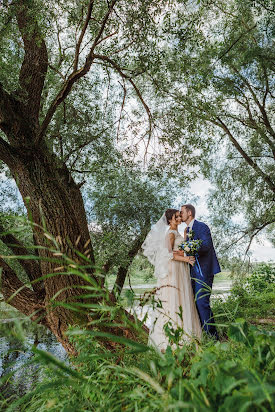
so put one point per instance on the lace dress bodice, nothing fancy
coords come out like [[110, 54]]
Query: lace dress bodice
[[178, 239]]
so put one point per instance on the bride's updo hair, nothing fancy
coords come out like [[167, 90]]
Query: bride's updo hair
[[169, 214]]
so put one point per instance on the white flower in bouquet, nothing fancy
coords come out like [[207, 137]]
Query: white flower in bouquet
[[191, 247]]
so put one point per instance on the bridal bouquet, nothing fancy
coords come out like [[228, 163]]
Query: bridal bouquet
[[191, 246]]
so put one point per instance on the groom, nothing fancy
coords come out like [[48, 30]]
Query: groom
[[209, 267]]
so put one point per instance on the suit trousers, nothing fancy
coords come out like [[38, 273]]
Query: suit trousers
[[202, 290]]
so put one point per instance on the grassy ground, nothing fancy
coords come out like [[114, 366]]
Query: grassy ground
[[233, 374], [236, 374]]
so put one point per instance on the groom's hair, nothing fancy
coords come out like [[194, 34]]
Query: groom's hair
[[191, 208]]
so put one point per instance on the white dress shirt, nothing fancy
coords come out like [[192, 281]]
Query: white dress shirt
[[191, 224]]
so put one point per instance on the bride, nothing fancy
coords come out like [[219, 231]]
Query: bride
[[174, 289]]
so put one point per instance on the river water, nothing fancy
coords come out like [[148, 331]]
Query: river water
[[18, 336], [221, 288]]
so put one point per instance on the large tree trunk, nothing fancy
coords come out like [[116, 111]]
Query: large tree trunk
[[51, 196], [55, 205]]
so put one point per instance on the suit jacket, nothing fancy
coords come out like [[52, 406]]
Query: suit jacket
[[207, 256]]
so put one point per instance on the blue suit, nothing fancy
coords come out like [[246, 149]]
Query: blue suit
[[209, 267]]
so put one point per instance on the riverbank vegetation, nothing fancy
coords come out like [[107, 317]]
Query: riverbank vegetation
[[251, 297], [235, 372]]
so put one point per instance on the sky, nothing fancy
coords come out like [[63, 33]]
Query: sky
[[261, 248]]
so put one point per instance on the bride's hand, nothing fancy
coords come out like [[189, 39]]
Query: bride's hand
[[191, 260], [178, 252]]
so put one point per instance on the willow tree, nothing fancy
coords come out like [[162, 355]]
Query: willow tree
[[46, 50], [219, 95]]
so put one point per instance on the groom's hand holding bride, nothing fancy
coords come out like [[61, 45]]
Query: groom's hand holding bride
[[191, 260]]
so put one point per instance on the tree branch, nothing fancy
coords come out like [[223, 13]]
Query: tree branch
[[57, 71], [87, 142], [252, 124], [8, 109], [103, 24], [265, 7], [31, 267], [267, 90], [256, 231], [255, 126], [125, 76], [7, 153], [251, 232], [123, 270], [73, 77], [84, 28], [235, 42], [248, 159], [34, 67], [122, 107], [256, 100], [107, 37], [19, 296]]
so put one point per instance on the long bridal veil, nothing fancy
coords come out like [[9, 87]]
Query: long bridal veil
[[157, 247], [174, 295]]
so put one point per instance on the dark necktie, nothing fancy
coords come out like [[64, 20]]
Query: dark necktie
[[188, 228]]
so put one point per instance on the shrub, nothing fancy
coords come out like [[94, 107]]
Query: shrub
[[252, 299], [262, 277]]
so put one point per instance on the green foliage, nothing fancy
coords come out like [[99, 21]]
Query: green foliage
[[252, 298], [20, 227], [101, 130], [125, 202], [219, 95], [263, 276], [140, 271], [203, 62], [206, 376], [243, 380], [140, 266], [238, 373]]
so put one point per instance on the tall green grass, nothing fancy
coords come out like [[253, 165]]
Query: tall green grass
[[235, 374]]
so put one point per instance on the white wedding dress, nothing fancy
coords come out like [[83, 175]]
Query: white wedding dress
[[176, 296]]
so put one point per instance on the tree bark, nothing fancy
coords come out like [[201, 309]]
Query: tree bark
[[19, 296], [35, 64], [55, 205], [31, 267], [52, 198]]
